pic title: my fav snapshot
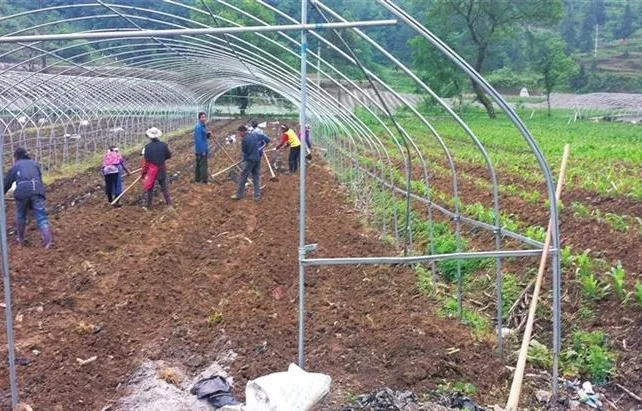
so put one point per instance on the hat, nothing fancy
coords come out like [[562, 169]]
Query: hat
[[154, 133]]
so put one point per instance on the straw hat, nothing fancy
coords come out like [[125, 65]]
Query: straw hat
[[154, 133]]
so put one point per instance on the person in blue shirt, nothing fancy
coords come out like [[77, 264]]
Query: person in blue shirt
[[201, 148], [258, 130], [251, 142], [29, 194]]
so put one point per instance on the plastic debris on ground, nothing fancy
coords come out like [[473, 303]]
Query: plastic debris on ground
[[584, 393], [387, 399], [215, 390], [294, 390]]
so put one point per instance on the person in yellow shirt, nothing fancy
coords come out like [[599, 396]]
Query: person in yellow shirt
[[288, 137]]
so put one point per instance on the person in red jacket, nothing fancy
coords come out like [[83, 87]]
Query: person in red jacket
[[153, 168]]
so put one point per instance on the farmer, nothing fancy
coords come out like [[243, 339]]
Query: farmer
[[289, 138], [258, 130], [29, 193], [251, 161], [111, 169], [201, 148], [153, 169], [308, 144], [122, 169]]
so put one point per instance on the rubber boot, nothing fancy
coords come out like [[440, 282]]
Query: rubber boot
[[148, 200], [21, 232], [47, 241]]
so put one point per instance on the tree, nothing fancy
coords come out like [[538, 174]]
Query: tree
[[626, 29], [587, 36], [436, 71], [599, 11], [580, 80], [568, 31], [552, 63], [486, 22]]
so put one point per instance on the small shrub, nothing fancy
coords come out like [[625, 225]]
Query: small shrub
[[539, 355], [589, 357], [424, 280], [510, 291], [478, 323]]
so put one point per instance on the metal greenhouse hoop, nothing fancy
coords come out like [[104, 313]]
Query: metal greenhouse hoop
[[161, 77]]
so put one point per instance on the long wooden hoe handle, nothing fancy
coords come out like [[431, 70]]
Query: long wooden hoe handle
[[225, 169], [126, 190], [267, 160], [516, 387]]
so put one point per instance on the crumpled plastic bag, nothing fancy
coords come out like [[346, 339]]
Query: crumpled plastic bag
[[294, 390], [215, 390]]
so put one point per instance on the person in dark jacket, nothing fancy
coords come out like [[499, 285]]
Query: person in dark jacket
[[201, 148], [258, 130], [29, 193], [153, 168], [250, 149]]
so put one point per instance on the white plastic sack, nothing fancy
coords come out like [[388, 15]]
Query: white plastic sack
[[294, 390]]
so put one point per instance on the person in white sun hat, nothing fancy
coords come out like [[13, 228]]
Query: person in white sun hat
[[153, 168]]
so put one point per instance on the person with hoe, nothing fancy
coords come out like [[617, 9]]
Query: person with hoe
[[153, 168], [29, 194], [201, 148], [251, 145], [289, 138]]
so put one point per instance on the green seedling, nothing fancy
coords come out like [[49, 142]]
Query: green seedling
[[618, 276]]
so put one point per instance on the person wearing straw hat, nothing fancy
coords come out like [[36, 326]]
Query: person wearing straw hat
[[153, 168], [201, 148], [29, 193]]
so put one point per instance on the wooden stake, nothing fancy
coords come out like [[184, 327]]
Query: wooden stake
[[126, 190], [516, 387]]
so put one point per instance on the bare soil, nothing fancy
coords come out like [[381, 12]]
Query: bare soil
[[188, 283]]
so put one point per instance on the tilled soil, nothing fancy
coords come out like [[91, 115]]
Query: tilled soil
[[188, 283]]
